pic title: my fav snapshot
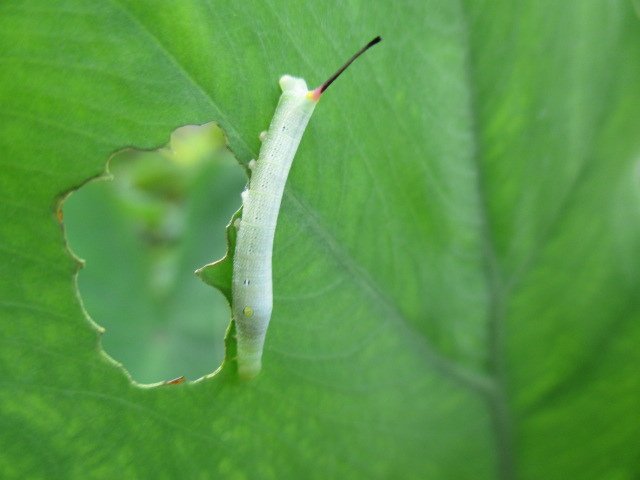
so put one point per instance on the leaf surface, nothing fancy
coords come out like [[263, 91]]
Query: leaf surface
[[455, 264]]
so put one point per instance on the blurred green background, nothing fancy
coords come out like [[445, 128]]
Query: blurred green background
[[142, 231]]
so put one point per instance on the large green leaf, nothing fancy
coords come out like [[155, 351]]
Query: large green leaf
[[456, 257]]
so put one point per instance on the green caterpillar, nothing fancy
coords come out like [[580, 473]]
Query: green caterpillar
[[252, 291]]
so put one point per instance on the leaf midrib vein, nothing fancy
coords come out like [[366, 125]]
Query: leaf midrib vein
[[496, 398]]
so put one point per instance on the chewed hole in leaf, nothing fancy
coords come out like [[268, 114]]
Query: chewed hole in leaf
[[142, 233]]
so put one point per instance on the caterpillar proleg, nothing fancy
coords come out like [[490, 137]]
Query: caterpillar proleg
[[252, 299]]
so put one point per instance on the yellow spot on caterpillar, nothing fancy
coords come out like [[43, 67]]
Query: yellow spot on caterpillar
[[314, 95], [248, 312]]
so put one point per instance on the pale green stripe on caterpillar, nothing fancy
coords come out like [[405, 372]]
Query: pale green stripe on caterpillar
[[252, 298]]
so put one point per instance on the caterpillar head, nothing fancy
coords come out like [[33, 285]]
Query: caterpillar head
[[293, 85], [298, 87]]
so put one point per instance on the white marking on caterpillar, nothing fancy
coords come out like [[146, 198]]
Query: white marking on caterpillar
[[252, 292], [252, 164], [263, 136]]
